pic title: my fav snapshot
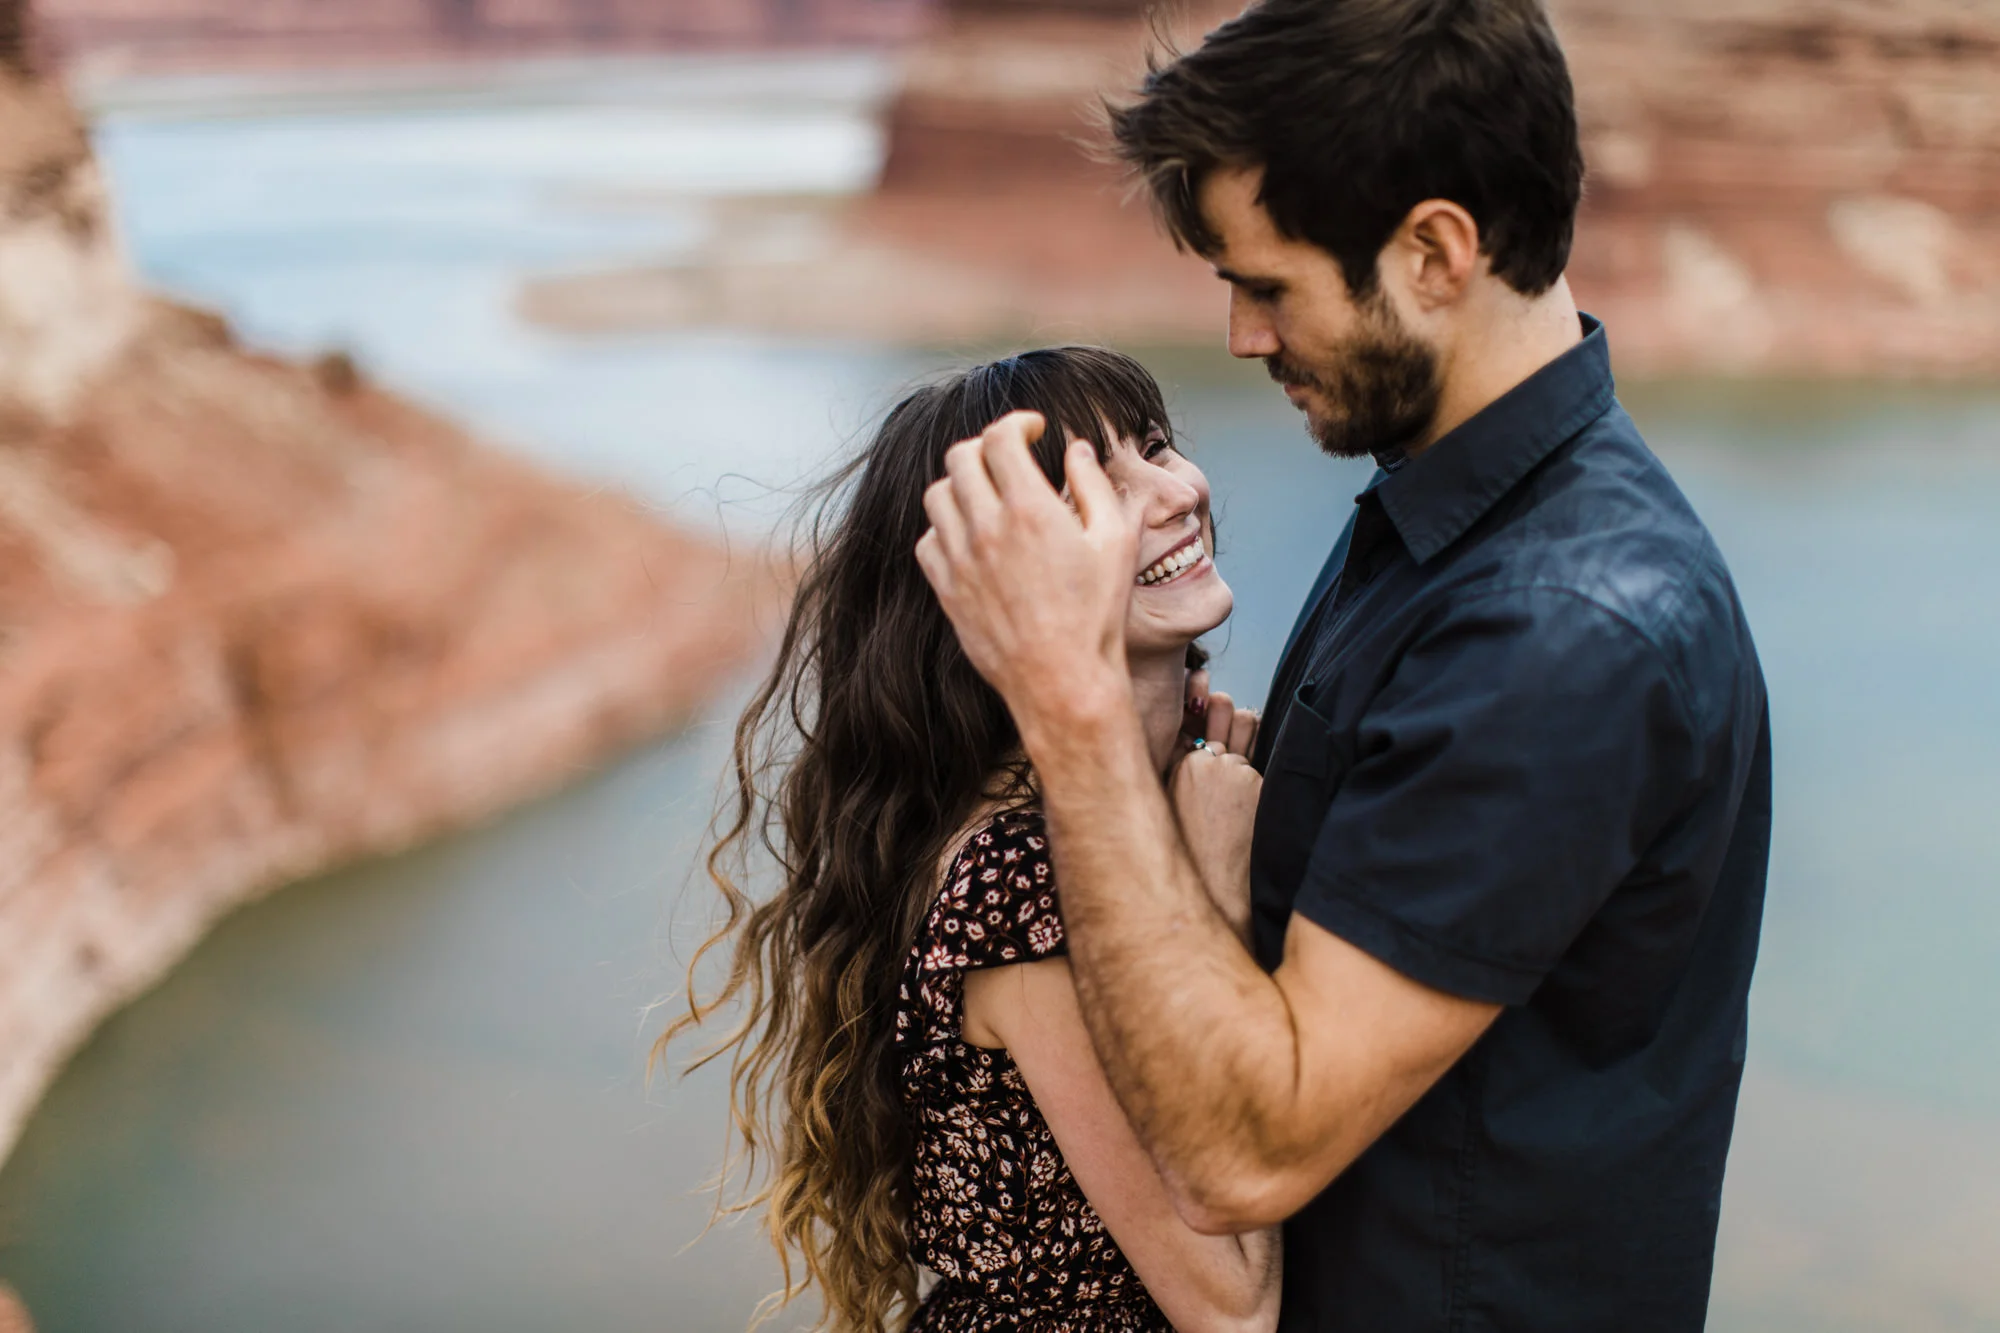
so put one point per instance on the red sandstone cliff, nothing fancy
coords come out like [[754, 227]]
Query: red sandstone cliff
[[257, 618], [13, 1315], [992, 218], [1784, 186], [1777, 186]]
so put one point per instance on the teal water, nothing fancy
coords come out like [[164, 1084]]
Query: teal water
[[410, 1095]]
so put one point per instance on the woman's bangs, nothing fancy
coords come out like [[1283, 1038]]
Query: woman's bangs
[[1088, 393], [1098, 395]]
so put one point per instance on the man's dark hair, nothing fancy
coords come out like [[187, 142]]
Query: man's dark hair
[[1357, 111]]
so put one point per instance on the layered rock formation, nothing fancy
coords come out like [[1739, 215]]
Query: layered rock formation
[[258, 618], [210, 34], [994, 217], [1777, 187], [1792, 187]]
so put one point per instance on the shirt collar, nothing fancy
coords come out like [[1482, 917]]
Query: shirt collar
[[1433, 498]]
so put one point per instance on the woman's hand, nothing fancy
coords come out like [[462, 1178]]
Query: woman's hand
[[1214, 793]]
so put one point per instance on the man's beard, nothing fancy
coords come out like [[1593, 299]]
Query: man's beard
[[1381, 390]]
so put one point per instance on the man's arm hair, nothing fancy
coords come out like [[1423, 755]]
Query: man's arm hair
[[1251, 1091]]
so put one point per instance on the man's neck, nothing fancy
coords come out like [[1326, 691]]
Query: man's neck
[[1519, 339]]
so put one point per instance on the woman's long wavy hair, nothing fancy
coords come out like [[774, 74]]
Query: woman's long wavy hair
[[869, 745]]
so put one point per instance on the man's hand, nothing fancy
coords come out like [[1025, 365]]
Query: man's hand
[[1038, 594], [1215, 795]]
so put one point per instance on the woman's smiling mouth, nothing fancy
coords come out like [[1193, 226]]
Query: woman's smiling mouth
[[1182, 560]]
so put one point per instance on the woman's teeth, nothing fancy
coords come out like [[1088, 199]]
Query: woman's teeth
[[1165, 571]]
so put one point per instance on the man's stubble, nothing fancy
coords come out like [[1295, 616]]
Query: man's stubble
[[1380, 389]]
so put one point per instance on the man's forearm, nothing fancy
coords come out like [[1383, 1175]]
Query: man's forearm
[[1196, 1039]]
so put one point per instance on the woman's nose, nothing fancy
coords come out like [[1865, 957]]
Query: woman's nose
[[1170, 498]]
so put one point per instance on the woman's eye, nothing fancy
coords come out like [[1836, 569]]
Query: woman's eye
[[1157, 445]]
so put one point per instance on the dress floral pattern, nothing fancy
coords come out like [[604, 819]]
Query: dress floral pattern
[[994, 1210]]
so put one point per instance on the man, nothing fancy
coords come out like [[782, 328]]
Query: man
[[1509, 852]]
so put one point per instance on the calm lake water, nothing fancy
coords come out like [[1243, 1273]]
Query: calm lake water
[[410, 1095]]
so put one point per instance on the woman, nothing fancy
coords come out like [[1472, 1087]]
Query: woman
[[909, 1006]]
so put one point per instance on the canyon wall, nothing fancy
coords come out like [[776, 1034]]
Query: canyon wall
[[259, 618], [208, 34], [1777, 187], [1792, 187]]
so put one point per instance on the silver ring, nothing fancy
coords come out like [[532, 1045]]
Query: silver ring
[[1201, 743]]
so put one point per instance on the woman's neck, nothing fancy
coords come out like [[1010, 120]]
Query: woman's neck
[[1159, 687]]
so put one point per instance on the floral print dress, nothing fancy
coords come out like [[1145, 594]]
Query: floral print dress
[[994, 1210]]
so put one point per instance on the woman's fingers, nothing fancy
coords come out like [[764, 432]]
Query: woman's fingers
[[1197, 692], [1221, 719], [1194, 708], [1243, 731], [1215, 805], [1226, 728]]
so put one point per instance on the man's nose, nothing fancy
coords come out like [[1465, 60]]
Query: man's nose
[[1250, 333]]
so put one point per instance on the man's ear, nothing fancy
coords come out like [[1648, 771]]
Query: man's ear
[[1437, 248]]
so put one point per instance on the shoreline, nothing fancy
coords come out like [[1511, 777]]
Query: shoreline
[[945, 269]]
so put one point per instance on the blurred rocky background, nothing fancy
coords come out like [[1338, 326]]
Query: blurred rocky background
[[395, 396], [261, 618], [1777, 187]]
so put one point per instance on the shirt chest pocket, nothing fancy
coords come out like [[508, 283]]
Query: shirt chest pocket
[[1308, 761]]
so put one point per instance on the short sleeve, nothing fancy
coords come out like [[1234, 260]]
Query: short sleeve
[[1508, 776], [998, 905]]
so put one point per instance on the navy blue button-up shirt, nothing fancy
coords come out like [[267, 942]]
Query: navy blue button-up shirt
[[1519, 751]]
